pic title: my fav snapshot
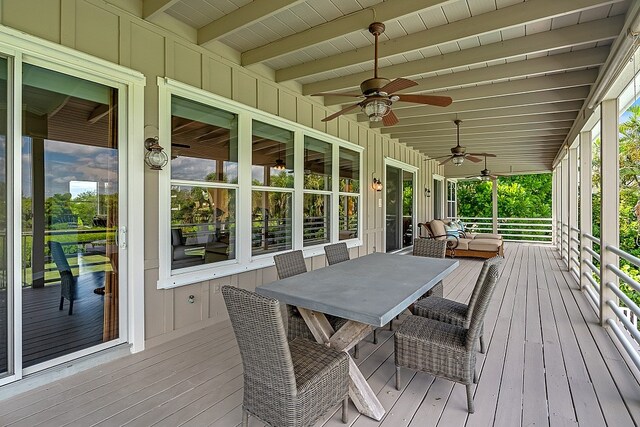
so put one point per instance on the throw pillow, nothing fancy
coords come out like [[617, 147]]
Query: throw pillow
[[452, 230]]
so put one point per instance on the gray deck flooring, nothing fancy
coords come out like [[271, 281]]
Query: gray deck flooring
[[548, 364]]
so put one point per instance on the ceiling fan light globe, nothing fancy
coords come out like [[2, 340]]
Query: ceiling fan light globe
[[376, 109], [457, 161]]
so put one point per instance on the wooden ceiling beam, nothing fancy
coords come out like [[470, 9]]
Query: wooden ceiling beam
[[518, 14], [350, 23], [506, 130], [151, 8], [533, 84], [506, 113], [592, 32], [497, 121], [242, 17], [469, 129]]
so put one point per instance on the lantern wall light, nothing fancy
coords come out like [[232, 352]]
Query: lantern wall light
[[155, 158]]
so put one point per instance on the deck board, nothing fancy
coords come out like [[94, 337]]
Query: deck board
[[548, 363]]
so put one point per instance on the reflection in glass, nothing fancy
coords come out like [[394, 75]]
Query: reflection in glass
[[69, 214], [4, 301], [317, 164], [349, 171], [271, 222], [272, 156], [407, 209], [348, 217], [203, 225], [204, 142], [316, 219]]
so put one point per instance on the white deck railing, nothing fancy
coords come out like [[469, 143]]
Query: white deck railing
[[514, 229]]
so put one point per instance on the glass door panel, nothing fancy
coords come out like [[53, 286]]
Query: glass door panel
[[393, 195], [5, 334], [69, 215], [407, 209]]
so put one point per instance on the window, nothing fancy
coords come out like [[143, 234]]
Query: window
[[317, 191], [243, 185], [204, 178], [272, 184], [349, 185], [452, 208]]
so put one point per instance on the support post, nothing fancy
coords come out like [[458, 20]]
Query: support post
[[573, 206], [609, 207], [586, 220], [564, 253], [554, 207], [494, 205]]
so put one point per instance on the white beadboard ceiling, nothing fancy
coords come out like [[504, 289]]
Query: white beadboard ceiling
[[518, 75]]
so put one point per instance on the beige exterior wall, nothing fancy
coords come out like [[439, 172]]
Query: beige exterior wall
[[119, 35]]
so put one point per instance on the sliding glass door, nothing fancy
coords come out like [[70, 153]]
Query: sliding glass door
[[399, 186], [6, 293]]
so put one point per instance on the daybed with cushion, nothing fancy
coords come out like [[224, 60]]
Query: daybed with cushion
[[471, 245]]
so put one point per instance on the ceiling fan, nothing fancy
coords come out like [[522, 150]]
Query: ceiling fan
[[379, 92], [485, 174], [459, 153]]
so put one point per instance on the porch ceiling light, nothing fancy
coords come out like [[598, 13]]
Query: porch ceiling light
[[279, 166], [155, 157], [457, 160], [376, 109]]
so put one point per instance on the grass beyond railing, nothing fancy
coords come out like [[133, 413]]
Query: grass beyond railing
[[513, 229]]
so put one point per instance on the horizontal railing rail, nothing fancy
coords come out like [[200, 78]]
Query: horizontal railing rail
[[513, 229]]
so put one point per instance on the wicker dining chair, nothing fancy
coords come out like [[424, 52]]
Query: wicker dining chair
[[442, 349], [433, 249], [336, 253], [68, 282], [286, 383], [291, 264], [454, 312]]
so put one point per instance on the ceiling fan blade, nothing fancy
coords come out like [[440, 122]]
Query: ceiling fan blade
[[341, 112], [175, 144], [390, 119], [482, 154], [438, 101], [350, 95], [473, 159], [471, 177], [396, 85], [446, 160]]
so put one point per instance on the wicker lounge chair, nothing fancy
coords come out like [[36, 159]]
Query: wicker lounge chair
[[336, 253], [443, 349], [285, 383], [68, 282], [433, 249], [291, 264], [454, 312]]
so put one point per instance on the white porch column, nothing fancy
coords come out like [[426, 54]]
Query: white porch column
[[609, 208], [586, 222], [572, 219], [554, 207], [565, 210], [494, 205]]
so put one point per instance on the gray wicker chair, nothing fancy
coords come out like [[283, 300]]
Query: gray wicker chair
[[454, 312], [285, 383], [442, 349], [336, 253], [433, 249], [291, 264], [68, 282]]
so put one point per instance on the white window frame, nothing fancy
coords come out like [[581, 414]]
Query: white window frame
[[330, 193], [244, 261], [452, 202]]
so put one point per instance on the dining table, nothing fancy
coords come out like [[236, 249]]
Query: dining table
[[369, 292]]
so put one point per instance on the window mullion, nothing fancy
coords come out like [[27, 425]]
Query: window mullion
[[298, 185], [243, 215], [335, 187]]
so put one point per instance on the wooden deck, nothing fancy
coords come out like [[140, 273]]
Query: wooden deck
[[548, 363]]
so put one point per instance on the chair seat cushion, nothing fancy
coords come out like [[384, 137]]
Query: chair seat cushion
[[433, 332], [488, 245], [463, 243], [442, 309], [484, 236]]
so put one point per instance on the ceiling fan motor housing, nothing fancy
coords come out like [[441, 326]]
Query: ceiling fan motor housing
[[372, 86]]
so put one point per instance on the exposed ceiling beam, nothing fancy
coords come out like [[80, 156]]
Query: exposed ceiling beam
[[495, 113], [242, 17], [480, 139], [560, 95], [507, 130], [495, 135], [534, 84], [518, 14], [355, 21], [602, 29], [151, 8], [512, 144], [472, 124]]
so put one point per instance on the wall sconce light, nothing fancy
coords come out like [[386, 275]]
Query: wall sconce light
[[155, 158], [376, 184], [427, 192]]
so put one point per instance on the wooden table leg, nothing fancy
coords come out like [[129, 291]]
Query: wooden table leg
[[344, 339]]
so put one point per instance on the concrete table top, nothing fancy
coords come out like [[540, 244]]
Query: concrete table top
[[372, 289]]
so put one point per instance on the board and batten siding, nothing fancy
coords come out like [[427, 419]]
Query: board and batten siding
[[114, 31]]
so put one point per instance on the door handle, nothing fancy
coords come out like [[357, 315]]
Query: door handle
[[123, 237]]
